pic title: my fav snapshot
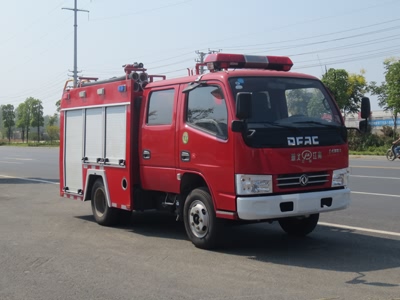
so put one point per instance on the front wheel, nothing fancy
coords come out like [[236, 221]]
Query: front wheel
[[201, 224], [299, 226], [390, 155], [103, 214]]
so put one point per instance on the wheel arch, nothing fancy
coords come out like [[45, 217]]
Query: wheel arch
[[91, 176], [191, 181]]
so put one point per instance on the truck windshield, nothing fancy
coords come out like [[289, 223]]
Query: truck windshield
[[288, 101]]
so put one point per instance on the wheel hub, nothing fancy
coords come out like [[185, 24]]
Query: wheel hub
[[100, 202], [198, 219]]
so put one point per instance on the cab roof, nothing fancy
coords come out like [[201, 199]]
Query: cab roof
[[226, 74]]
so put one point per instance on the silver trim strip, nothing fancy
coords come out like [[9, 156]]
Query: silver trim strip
[[297, 177], [96, 106], [101, 173], [222, 212], [298, 183]]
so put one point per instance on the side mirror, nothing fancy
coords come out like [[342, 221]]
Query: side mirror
[[365, 108], [363, 126], [238, 126], [243, 105]]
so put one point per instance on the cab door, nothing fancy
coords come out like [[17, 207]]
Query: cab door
[[205, 143], [157, 149]]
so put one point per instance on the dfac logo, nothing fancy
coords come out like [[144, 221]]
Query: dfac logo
[[302, 140]]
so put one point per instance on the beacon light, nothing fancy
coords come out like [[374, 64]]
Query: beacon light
[[219, 61]]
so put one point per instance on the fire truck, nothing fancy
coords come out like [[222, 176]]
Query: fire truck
[[246, 141]]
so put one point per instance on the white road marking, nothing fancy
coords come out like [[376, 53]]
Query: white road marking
[[376, 194], [378, 177], [360, 229], [320, 223], [29, 179], [23, 158], [10, 162], [376, 167]]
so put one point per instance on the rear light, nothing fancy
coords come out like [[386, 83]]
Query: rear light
[[219, 61]]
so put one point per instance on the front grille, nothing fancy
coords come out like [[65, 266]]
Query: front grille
[[302, 180]]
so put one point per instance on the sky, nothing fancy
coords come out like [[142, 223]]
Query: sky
[[37, 38]]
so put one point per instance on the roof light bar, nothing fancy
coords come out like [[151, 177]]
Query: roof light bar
[[218, 61]]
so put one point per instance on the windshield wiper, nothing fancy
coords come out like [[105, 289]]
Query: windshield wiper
[[266, 124], [318, 123]]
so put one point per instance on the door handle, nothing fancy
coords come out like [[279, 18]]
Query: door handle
[[146, 154], [185, 156]]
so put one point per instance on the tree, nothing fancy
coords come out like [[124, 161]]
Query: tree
[[298, 100], [357, 88], [348, 89], [338, 84], [58, 105], [37, 116], [388, 92], [381, 91], [306, 101], [392, 77], [20, 115], [53, 120], [8, 118], [28, 115], [53, 132]]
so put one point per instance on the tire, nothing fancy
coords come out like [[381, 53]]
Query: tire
[[103, 214], [299, 226], [390, 155], [201, 224]]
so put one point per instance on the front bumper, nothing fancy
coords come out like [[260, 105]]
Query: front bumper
[[281, 206]]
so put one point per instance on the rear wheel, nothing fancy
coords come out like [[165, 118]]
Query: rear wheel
[[103, 214], [201, 224], [390, 155], [299, 226]]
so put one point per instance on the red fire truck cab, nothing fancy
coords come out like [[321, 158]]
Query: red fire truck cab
[[248, 141]]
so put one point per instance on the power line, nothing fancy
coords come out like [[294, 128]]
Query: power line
[[280, 27], [29, 26], [42, 87], [329, 49], [142, 11], [41, 53], [326, 40], [352, 54], [376, 55], [349, 46], [311, 37]]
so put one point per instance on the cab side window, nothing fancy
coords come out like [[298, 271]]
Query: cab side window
[[207, 111], [161, 104]]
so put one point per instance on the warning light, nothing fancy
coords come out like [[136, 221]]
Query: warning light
[[219, 61], [122, 88]]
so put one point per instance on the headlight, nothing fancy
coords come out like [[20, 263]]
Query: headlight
[[340, 177], [253, 184]]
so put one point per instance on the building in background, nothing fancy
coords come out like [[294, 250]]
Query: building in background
[[379, 118]]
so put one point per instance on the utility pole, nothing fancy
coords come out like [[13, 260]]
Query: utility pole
[[75, 10], [202, 55], [200, 60]]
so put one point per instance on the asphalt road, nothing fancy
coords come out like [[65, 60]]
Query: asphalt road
[[51, 248]]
